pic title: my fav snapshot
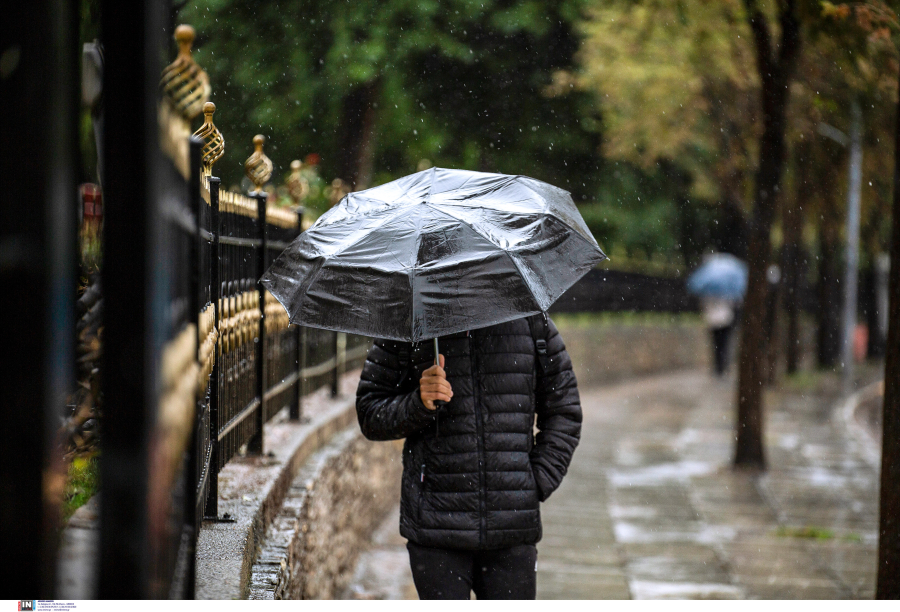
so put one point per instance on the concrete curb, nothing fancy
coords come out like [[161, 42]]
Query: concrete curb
[[252, 489], [868, 447]]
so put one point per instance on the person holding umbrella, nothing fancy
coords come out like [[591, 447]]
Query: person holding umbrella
[[474, 473], [720, 282], [453, 272]]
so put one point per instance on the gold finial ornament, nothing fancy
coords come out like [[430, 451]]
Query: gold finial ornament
[[298, 186], [258, 167], [336, 192], [183, 81], [213, 142]]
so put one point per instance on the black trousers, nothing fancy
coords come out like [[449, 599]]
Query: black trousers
[[507, 573], [721, 337]]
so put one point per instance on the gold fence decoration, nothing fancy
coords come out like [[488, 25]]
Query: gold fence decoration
[[258, 166], [209, 335], [282, 217], [185, 89], [238, 204], [239, 320], [276, 316], [174, 138], [177, 403], [297, 185], [184, 83], [204, 189], [213, 142]]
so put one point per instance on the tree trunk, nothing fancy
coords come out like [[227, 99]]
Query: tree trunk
[[775, 73], [791, 254], [749, 447], [828, 317], [889, 527], [773, 304], [357, 149]]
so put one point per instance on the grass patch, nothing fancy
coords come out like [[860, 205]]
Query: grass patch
[[808, 532], [814, 533], [82, 482], [805, 380]]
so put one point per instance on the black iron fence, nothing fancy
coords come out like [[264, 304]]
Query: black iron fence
[[199, 356], [256, 363]]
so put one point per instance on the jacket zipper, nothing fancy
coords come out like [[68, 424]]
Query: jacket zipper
[[482, 477], [421, 491]]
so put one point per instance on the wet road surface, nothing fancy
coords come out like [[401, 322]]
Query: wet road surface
[[651, 508]]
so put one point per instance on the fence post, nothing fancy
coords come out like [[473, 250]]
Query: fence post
[[192, 475], [255, 444], [258, 169], [297, 407], [38, 143], [304, 344], [212, 498], [334, 371], [340, 362]]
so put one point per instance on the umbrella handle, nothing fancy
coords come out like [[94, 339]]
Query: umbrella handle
[[437, 362]]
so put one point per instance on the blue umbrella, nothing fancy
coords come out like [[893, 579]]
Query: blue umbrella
[[721, 275]]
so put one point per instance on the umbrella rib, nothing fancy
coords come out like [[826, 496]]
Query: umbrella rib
[[414, 268], [544, 200], [522, 276], [477, 231], [363, 234], [573, 232], [455, 218]]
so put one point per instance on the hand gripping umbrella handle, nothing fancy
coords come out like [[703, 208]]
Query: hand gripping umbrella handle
[[437, 362]]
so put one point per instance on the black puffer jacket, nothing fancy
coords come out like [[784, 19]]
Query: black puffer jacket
[[473, 470]]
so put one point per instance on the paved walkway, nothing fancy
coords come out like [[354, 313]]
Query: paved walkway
[[652, 509]]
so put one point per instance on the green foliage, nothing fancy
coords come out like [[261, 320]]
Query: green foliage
[[669, 88], [643, 216], [461, 83], [676, 81], [851, 57], [82, 482]]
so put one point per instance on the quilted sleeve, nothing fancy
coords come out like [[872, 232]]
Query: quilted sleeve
[[558, 417], [387, 399]]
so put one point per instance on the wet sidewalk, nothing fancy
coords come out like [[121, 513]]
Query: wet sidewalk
[[652, 509]]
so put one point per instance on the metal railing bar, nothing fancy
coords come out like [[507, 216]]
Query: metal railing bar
[[327, 366], [207, 468], [318, 370], [183, 218], [282, 386], [243, 242], [278, 244], [359, 351], [236, 419]]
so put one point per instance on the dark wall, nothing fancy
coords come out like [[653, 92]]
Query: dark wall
[[614, 291]]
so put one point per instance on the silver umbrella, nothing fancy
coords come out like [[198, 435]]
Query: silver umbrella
[[434, 253]]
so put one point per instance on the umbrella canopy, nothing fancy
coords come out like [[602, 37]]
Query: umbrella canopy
[[434, 253], [721, 275]]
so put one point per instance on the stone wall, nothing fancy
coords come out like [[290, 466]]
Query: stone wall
[[331, 509], [606, 349]]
